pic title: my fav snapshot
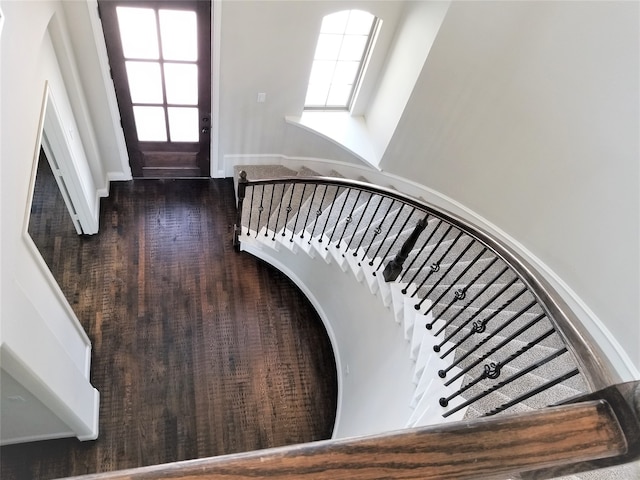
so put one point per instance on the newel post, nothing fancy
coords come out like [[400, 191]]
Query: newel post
[[394, 267], [237, 228]]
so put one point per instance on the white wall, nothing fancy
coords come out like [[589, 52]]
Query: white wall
[[373, 362], [42, 344], [414, 38], [27, 417], [527, 113], [268, 47]]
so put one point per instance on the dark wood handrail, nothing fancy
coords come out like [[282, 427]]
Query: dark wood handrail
[[595, 367], [600, 429]]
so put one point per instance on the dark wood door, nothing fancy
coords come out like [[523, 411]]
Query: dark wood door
[[160, 57]]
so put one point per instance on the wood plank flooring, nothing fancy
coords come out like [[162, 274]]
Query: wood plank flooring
[[197, 350]]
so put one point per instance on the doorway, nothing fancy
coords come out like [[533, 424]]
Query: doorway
[[160, 58]]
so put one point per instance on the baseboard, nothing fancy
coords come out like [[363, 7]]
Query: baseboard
[[103, 192]]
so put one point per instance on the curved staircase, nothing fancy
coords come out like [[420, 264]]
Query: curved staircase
[[436, 311], [477, 339]]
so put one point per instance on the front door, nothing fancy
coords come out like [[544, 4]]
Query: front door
[[160, 58]]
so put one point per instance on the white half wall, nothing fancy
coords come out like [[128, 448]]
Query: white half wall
[[43, 346], [372, 357]]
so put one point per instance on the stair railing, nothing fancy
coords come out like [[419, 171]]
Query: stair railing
[[473, 290], [595, 431]]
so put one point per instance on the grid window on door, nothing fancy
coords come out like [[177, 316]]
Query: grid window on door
[[343, 44], [160, 50]]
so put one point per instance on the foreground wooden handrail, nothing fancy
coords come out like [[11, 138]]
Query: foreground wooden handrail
[[602, 427]]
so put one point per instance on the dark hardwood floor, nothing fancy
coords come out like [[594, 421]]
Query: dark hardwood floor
[[197, 350]]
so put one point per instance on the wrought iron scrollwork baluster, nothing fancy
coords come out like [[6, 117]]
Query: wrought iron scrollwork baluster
[[477, 295], [444, 275], [260, 210], [253, 189], [349, 219], [306, 220], [364, 235], [333, 202], [355, 230], [266, 226], [288, 209], [512, 379], [299, 211], [335, 227], [464, 356], [535, 391], [424, 246], [377, 231], [429, 326], [395, 239], [481, 325], [318, 213], [386, 237], [435, 267], [275, 227]]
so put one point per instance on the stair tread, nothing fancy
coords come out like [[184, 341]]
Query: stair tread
[[258, 172], [307, 172]]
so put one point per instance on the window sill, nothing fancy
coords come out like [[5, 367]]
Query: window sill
[[343, 129]]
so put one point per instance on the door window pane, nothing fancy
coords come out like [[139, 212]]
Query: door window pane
[[183, 124], [181, 80], [138, 32], [171, 38], [145, 82], [178, 30], [150, 124]]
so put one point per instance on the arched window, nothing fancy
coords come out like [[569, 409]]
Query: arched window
[[343, 47]]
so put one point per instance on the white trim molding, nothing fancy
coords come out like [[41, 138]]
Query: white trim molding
[[114, 111], [216, 169], [71, 163]]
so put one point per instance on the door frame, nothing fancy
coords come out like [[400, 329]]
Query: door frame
[[207, 87]]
